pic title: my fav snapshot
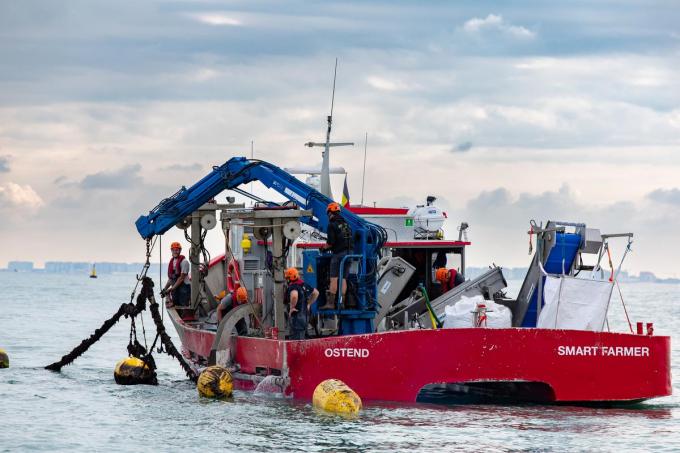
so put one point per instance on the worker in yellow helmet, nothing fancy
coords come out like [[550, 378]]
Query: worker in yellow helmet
[[178, 287]]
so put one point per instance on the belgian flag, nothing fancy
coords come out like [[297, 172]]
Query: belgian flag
[[345, 194]]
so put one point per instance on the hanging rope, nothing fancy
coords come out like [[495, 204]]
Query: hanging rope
[[625, 310], [135, 349], [167, 342], [126, 310], [614, 277], [131, 310], [611, 264], [160, 349]]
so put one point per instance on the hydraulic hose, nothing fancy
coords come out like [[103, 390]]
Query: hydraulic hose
[[436, 323]]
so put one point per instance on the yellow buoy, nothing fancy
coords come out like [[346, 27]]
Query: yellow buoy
[[215, 382], [133, 371], [333, 395], [4, 359]]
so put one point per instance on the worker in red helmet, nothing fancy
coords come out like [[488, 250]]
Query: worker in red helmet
[[228, 301], [448, 278], [178, 287], [299, 297], [339, 242]]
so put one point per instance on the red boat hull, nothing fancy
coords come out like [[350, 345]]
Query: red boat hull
[[569, 366]]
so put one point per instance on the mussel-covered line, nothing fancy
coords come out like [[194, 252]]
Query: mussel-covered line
[[128, 309], [134, 348], [167, 342]]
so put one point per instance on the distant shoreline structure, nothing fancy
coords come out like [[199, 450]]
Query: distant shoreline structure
[[71, 267], [518, 273], [78, 267]]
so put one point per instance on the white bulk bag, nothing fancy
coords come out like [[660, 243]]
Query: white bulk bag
[[460, 315], [574, 303]]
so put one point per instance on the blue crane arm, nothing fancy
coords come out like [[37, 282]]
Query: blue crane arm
[[369, 238]]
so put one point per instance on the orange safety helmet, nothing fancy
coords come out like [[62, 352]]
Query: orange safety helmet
[[175, 245], [291, 274], [333, 207], [241, 294], [441, 274]]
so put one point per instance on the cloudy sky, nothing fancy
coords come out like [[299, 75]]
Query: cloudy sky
[[507, 111]]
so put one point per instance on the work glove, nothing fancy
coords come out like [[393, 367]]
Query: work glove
[[164, 293]]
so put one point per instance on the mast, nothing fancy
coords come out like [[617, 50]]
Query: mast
[[252, 156], [325, 165], [363, 177]]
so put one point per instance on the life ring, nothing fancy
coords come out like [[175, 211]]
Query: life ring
[[233, 275]]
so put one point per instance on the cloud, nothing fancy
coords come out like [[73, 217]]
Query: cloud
[[667, 196], [499, 220], [496, 23], [593, 102], [15, 196], [182, 167], [462, 147], [559, 204], [64, 182], [216, 19], [123, 178], [385, 84], [4, 163]]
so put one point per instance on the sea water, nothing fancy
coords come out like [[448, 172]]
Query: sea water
[[43, 316]]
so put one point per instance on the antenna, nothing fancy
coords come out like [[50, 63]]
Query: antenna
[[325, 177], [335, 75], [252, 154], [363, 178], [325, 172]]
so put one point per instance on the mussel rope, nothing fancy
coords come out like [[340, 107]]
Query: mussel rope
[[131, 310], [126, 310], [167, 342], [160, 349], [135, 349]]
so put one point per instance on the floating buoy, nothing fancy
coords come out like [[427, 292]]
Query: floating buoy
[[333, 395], [215, 382], [4, 359], [133, 371]]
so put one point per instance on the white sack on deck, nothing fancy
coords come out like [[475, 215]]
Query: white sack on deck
[[460, 315], [573, 303]]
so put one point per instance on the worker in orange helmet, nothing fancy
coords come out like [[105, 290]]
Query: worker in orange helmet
[[448, 278], [339, 242], [299, 297], [226, 304], [178, 287]]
